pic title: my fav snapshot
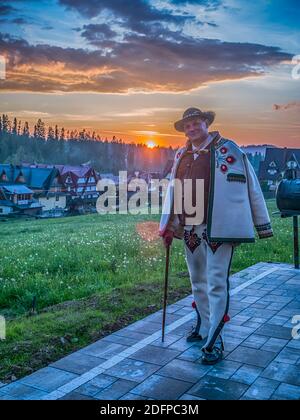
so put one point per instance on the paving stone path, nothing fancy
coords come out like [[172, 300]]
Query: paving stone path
[[262, 360]]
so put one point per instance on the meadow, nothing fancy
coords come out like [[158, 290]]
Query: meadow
[[65, 283]]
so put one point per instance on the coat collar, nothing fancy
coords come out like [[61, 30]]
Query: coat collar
[[216, 137]]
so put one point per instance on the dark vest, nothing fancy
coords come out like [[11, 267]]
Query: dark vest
[[190, 168]]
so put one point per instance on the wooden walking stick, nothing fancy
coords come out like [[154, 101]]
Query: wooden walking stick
[[165, 292]]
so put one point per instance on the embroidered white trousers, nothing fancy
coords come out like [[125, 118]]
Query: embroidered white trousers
[[209, 266]]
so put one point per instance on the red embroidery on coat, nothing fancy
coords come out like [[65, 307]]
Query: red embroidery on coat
[[226, 318], [230, 159], [194, 305], [224, 168], [224, 150]]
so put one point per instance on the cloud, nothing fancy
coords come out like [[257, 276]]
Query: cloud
[[99, 35], [172, 63], [6, 9], [290, 105], [133, 16], [206, 3]]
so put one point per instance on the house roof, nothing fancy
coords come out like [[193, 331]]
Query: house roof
[[12, 172], [6, 203], [39, 178], [36, 178], [275, 162], [79, 170], [17, 189]]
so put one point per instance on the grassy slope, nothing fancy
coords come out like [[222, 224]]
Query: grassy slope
[[91, 276]]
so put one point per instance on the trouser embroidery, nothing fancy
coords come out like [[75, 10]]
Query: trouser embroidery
[[209, 268], [213, 245], [191, 239]]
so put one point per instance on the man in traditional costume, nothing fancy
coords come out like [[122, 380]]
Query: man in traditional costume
[[233, 202]]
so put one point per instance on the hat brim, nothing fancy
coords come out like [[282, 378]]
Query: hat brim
[[209, 116]]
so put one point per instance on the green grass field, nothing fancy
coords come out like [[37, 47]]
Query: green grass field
[[92, 275]]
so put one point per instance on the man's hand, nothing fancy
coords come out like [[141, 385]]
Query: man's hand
[[168, 238]]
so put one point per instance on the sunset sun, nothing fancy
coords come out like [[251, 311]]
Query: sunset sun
[[150, 144]]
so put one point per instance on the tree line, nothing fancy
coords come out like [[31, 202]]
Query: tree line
[[54, 145]]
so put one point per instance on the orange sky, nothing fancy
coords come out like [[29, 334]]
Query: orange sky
[[131, 72]]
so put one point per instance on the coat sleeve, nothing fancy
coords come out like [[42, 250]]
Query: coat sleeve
[[260, 215], [172, 221]]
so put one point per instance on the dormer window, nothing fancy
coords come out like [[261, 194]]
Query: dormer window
[[3, 176], [20, 178], [272, 168]]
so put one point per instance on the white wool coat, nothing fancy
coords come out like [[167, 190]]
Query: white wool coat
[[236, 203]]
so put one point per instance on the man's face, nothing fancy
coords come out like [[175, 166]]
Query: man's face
[[195, 129]]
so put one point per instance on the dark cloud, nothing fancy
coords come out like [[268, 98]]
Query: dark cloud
[[20, 21], [206, 3], [134, 16], [290, 105], [48, 28], [209, 5], [170, 63], [99, 35], [6, 9]]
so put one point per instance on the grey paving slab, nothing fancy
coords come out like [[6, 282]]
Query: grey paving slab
[[20, 391], [213, 388], [146, 327], [225, 369], [158, 316], [283, 372], [160, 387], [138, 336], [261, 389], [278, 320], [239, 319], [184, 329], [275, 331], [96, 385], [252, 324], [154, 354], [192, 354], [184, 370], [250, 356], [189, 397], [7, 397], [118, 339], [103, 349], [239, 331], [286, 392], [76, 396], [48, 379], [115, 390], [132, 397], [183, 311], [231, 343], [133, 370], [247, 374], [274, 344], [168, 340], [255, 341], [295, 344], [288, 355], [180, 345], [77, 363]]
